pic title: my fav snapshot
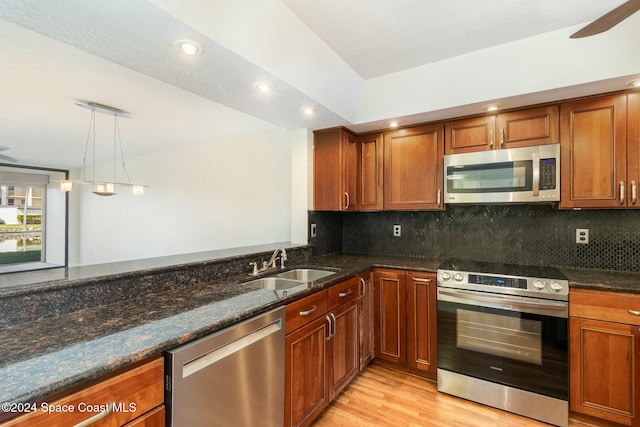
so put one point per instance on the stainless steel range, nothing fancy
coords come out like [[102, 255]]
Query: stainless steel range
[[503, 337]]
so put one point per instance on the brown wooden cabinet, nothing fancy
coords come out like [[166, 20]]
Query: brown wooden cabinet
[[369, 177], [138, 396], [322, 353], [413, 177], [367, 316], [405, 322], [521, 128], [347, 171], [335, 168], [604, 346], [594, 153]]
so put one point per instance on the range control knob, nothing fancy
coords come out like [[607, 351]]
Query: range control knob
[[538, 284], [445, 275], [556, 287], [458, 277]]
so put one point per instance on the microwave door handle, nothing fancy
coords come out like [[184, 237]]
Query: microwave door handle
[[536, 173]]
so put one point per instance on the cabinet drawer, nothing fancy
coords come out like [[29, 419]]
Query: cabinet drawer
[[119, 400], [602, 305], [343, 292], [303, 311]]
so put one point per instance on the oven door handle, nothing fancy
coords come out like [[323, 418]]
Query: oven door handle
[[505, 302]]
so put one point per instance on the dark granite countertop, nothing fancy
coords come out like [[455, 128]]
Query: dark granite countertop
[[45, 356]]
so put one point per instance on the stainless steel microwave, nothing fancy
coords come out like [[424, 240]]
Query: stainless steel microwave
[[512, 175]]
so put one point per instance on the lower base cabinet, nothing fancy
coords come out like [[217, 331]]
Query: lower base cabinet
[[133, 398], [405, 319], [322, 353], [604, 354]]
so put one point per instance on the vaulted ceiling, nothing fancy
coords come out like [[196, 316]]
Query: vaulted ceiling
[[357, 63]]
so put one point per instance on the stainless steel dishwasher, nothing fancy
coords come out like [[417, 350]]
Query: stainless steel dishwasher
[[234, 377]]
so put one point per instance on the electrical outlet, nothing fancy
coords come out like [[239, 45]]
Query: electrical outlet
[[397, 230], [582, 235], [313, 230]]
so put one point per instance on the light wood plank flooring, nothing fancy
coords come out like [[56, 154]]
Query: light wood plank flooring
[[382, 396]]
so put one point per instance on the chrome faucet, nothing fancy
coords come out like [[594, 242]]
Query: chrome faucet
[[274, 257], [266, 265]]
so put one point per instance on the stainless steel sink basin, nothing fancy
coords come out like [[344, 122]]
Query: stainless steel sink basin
[[277, 283], [305, 274]]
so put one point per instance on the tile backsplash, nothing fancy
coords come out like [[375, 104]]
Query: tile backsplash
[[519, 234]]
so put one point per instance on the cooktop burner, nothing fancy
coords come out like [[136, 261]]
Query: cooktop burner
[[471, 266]]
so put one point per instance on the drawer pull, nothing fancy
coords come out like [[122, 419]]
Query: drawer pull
[[95, 418], [345, 293], [634, 312], [421, 280], [308, 312]]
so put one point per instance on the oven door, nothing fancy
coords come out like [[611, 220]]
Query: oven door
[[514, 341]]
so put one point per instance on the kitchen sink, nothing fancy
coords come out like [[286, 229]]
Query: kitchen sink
[[277, 283], [305, 274]]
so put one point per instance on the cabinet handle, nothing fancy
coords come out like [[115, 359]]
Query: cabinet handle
[[364, 286], [438, 196], [421, 280], [491, 138], [95, 418], [308, 312], [347, 200], [501, 137], [330, 328], [634, 192], [622, 192], [345, 293], [335, 324], [634, 312]]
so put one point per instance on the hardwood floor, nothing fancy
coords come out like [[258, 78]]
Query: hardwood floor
[[382, 396]]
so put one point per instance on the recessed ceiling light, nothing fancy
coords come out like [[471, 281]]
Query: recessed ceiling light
[[634, 83], [308, 111], [189, 47], [492, 107], [393, 124], [263, 87]]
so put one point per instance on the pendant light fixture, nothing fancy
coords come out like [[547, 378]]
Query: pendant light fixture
[[103, 187]]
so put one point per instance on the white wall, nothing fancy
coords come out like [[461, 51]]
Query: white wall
[[221, 195]]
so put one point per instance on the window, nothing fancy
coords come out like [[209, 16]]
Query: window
[[33, 220]]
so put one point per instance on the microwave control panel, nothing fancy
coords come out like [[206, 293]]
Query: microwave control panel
[[547, 174]]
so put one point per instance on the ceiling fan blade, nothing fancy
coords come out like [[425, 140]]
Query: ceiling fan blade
[[609, 20], [8, 158]]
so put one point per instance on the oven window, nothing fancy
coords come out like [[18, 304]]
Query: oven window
[[511, 337], [494, 177]]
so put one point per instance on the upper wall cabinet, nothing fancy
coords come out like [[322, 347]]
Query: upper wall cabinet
[[533, 126], [413, 176], [347, 171], [334, 170], [594, 154]]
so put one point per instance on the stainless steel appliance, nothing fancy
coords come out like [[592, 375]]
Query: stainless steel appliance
[[510, 175], [503, 337], [234, 377]]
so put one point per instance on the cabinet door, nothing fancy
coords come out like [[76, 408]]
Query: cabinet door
[[370, 176], [334, 170], [593, 153], [390, 320], [421, 321], [413, 176], [367, 315], [633, 148], [603, 369], [469, 135], [344, 360], [306, 376], [524, 128]]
